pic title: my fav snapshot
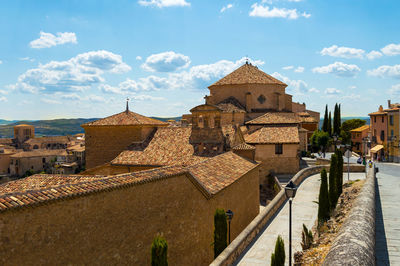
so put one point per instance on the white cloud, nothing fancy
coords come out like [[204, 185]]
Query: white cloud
[[96, 98], [75, 74], [343, 52], [143, 97], [259, 10], [287, 67], [352, 87], [313, 90], [3, 99], [391, 49], [299, 69], [338, 68], [373, 55], [138, 58], [1, 62], [332, 91], [163, 3], [386, 71], [352, 97], [296, 87], [27, 59], [47, 40], [224, 8], [3, 92], [166, 62], [50, 101], [68, 96], [395, 90]]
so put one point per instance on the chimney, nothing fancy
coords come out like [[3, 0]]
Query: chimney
[[389, 105]]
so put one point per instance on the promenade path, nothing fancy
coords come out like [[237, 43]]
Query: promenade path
[[304, 210], [388, 214]]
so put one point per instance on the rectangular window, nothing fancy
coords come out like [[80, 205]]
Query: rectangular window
[[375, 119], [382, 135], [391, 133], [391, 120], [382, 119], [278, 148]]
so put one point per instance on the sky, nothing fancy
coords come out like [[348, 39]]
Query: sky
[[70, 59]]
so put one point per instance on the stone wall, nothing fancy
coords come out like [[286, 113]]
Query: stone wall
[[245, 238], [116, 227], [286, 163], [355, 242], [104, 143]]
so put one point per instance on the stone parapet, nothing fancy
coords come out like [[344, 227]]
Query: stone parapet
[[355, 243]]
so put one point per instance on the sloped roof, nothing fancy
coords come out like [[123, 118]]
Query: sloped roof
[[305, 117], [54, 139], [248, 74], [231, 104], [360, 129], [274, 135], [210, 177], [275, 118], [244, 146], [39, 153], [126, 118]]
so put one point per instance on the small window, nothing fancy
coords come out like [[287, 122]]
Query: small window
[[382, 135], [391, 120], [375, 119], [382, 119], [278, 148], [43, 160], [391, 133]]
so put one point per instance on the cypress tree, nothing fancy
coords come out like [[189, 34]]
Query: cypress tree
[[330, 124], [333, 171], [220, 232], [325, 124], [323, 199], [339, 180], [339, 120], [159, 250], [335, 117], [278, 257]]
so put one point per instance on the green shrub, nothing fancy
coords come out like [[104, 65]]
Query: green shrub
[[278, 257], [323, 199], [159, 250], [306, 238], [332, 182], [339, 177], [220, 232]]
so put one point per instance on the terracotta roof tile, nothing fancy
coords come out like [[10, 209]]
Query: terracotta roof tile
[[244, 146], [271, 118], [39, 153], [274, 135], [360, 129], [305, 117], [248, 74], [126, 119]]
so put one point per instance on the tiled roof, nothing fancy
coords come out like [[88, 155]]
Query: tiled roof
[[305, 117], [23, 125], [378, 113], [230, 105], [126, 119], [169, 146], [55, 139], [360, 129], [39, 153], [220, 171], [244, 146], [274, 135], [393, 109], [271, 118], [6, 141], [209, 176], [248, 74]]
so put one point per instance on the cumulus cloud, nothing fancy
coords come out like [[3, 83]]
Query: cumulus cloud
[[391, 49], [296, 87], [224, 8], [75, 74], [343, 52], [299, 69], [50, 101], [3, 92], [352, 97], [1, 62], [163, 3], [287, 67], [373, 55], [386, 71], [48, 40], [259, 10], [395, 90], [3, 99], [27, 59], [138, 58], [332, 91], [313, 90], [166, 62], [338, 68]]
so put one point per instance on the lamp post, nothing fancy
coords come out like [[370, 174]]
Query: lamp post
[[229, 216], [290, 191]]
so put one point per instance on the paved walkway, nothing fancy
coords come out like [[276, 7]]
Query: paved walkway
[[305, 210], [387, 214]]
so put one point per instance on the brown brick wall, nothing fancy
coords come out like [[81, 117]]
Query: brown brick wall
[[104, 143], [118, 226]]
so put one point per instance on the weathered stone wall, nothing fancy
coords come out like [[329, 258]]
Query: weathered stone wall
[[239, 245], [355, 242], [117, 227], [232, 118], [104, 143], [286, 163]]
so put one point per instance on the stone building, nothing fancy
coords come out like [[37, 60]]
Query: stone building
[[48, 143], [23, 133], [112, 220], [358, 139], [5, 158], [108, 137]]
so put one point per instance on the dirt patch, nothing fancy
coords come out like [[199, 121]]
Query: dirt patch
[[326, 234]]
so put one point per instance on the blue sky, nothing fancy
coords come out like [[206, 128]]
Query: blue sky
[[83, 58]]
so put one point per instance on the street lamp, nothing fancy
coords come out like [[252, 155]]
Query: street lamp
[[290, 191], [229, 216]]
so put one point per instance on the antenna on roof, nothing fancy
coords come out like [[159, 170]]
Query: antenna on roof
[[127, 105]]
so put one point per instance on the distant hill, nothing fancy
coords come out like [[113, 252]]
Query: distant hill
[[55, 127], [366, 118]]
